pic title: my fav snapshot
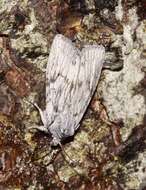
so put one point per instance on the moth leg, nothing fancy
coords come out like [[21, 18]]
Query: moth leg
[[40, 128], [42, 114]]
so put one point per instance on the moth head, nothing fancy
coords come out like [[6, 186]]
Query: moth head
[[66, 131], [55, 141], [58, 136], [60, 133]]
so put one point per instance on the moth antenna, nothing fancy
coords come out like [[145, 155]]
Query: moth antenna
[[65, 152], [66, 155], [70, 162]]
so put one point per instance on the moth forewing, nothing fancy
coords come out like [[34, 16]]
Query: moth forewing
[[92, 61], [93, 58]]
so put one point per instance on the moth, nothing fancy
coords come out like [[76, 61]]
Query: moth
[[71, 79]]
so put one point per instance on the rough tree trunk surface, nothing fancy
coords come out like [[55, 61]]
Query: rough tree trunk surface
[[108, 150]]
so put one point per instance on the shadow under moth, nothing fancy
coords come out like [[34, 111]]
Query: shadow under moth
[[71, 79]]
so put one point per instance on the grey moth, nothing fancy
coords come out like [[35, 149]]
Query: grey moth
[[71, 79]]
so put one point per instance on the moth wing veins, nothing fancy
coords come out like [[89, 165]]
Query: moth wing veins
[[71, 79]]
